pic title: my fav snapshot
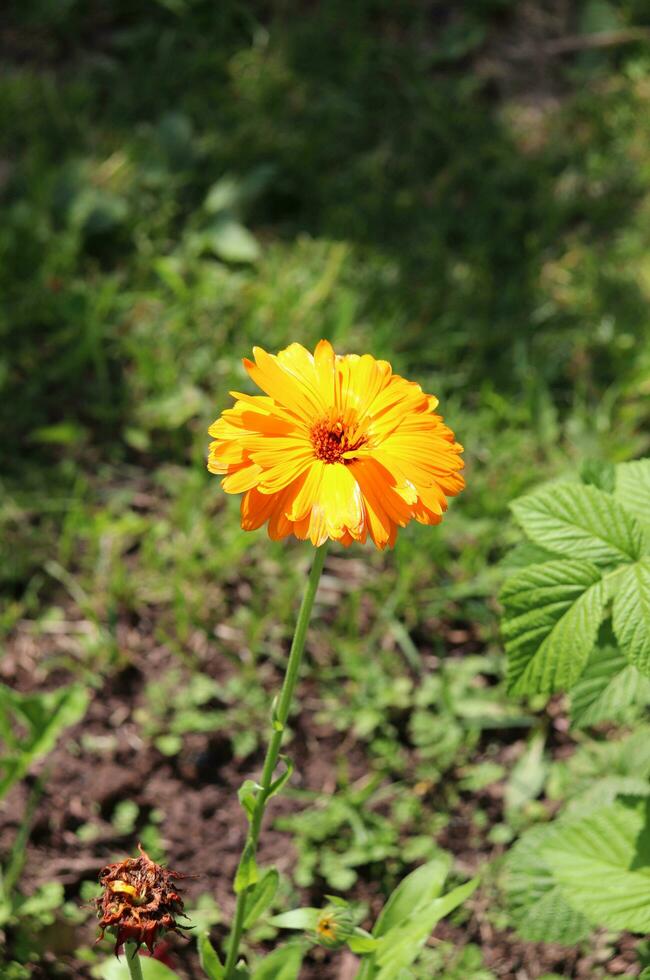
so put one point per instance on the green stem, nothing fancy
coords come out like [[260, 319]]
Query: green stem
[[133, 961], [280, 717]]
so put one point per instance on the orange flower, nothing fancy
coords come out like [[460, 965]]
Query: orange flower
[[339, 447]]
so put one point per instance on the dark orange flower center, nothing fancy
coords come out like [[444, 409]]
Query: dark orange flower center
[[326, 927], [331, 440]]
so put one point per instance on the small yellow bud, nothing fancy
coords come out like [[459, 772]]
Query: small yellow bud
[[334, 926]]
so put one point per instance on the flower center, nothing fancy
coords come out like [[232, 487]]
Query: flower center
[[332, 439], [326, 927]]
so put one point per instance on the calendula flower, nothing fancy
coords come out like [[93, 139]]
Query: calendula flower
[[139, 902], [339, 447], [334, 926]]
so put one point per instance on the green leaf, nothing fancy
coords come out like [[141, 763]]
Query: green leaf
[[633, 489], [400, 946], [210, 962], [225, 195], [580, 522], [362, 942], [599, 771], [607, 689], [61, 434], [526, 779], [231, 192], [247, 796], [305, 918], [230, 241], [599, 474], [247, 873], [602, 862], [523, 554], [172, 410], [552, 615], [117, 969], [337, 900], [631, 614], [278, 783], [261, 896], [535, 901], [419, 888], [281, 964], [30, 725]]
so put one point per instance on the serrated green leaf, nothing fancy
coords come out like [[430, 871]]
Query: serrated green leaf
[[261, 896], [602, 863], [210, 962], [580, 522], [535, 901], [632, 489], [631, 614], [604, 792], [599, 771], [552, 615], [281, 964], [607, 689], [305, 918], [247, 872], [419, 888], [525, 553]]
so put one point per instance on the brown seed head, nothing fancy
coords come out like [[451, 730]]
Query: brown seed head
[[139, 902]]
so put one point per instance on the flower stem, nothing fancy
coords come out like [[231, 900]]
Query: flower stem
[[133, 961], [280, 716]]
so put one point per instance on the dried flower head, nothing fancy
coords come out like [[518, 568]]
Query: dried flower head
[[339, 447], [140, 902]]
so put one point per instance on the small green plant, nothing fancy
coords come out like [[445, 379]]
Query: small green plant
[[402, 927], [30, 725]]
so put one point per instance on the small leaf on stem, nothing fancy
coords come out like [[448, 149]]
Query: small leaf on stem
[[209, 960], [261, 896], [247, 873], [247, 795], [279, 783]]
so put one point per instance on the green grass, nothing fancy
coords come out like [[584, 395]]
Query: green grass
[[184, 179]]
